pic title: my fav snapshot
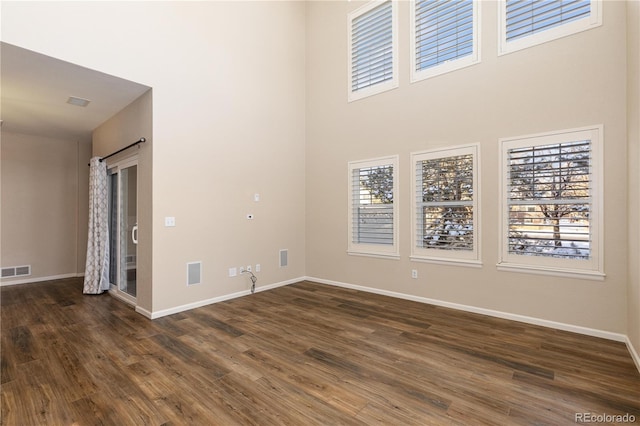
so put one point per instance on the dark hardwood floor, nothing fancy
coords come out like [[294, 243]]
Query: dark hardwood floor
[[305, 354]]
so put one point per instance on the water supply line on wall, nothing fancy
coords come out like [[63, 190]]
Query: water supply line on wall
[[253, 280]]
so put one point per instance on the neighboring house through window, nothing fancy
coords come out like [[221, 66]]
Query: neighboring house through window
[[552, 203], [373, 204]]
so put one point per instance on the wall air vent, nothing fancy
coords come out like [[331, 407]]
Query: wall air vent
[[194, 273], [284, 257], [16, 271]]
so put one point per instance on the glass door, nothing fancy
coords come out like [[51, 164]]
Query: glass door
[[123, 229]]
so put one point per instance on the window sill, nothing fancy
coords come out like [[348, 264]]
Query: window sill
[[372, 90], [391, 256], [441, 69], [556, 272], [471, 263]]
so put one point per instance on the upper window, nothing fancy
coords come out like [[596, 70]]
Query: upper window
[[551, 213], [445, 214], [373, 217], [525, 23], [444, 36], [373, 54]]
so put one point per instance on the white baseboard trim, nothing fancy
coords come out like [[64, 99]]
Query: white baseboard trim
[[144, 312], [498, 314], [115, 294], [633, 352], [200, 303], [41, 279]]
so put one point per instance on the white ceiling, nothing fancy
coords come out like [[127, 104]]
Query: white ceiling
[[35, 89]]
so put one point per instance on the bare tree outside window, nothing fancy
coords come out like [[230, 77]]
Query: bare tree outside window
[[445, 218], [549, 200]]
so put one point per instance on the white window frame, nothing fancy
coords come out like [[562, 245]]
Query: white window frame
[[444, 256], [385, 85], [449, 66], [592, 268], [375, 250], [504, 47]]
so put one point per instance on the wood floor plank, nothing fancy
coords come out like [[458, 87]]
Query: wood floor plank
[[303, 354], [312, 382]]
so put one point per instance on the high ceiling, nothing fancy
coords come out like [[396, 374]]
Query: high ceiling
[[35, 89]]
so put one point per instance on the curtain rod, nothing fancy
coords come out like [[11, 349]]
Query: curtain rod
[[139, 141]]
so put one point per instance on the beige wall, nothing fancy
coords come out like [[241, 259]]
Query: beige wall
[[84, 155], [233, 105], [44, 205], [228, 122], [572, 82], [633, 113], [129, 125]]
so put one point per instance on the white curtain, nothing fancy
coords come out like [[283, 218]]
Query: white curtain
[[96, 273]]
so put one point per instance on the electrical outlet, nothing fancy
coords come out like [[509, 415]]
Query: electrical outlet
[[414, 273], [233, 272], [257, 267], [249, 268], [242, 269]]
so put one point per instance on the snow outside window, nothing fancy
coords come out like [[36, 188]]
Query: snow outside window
[[445, 215], [551, 195]]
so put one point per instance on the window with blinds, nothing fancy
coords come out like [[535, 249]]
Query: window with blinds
[[444, 219], [444, 36], [372, 206], [551, 190], [549, 200], [372, 32], [526, 23], [526, 17]]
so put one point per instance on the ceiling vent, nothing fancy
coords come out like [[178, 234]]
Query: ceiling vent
[[78, 101]]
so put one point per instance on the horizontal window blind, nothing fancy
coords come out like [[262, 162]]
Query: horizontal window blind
[[372, 47], [549, 200], [372, 198], [443, 31], [445, 203], [527, 17]]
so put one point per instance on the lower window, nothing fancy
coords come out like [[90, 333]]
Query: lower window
[[551, 195], [373, 204], [445, 214]]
